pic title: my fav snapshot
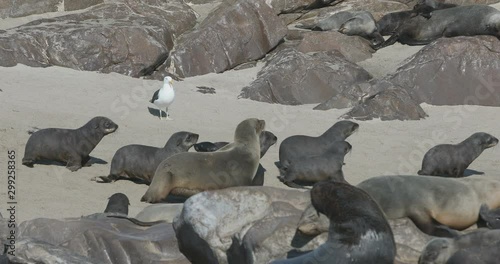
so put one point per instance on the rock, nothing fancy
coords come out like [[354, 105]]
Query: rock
[[30, 250], [241, 225], [290, 6], [292, 77], [134, 35], [354, 48], [391, 104], [125, 243], [453, 71], [20, 8], [70, 5], [238, 31]]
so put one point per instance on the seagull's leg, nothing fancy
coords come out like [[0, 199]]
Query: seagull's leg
[[168, 116], [159, 110]]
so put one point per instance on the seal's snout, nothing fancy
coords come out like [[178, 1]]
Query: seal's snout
[[492, 142]]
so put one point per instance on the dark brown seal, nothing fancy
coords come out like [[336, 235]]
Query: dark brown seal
[[451, 160], [358, 232], [139, 162], [70, 146]]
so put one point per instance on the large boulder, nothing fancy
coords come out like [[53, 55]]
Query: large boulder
[[292, 77], [20, 8], [102, 240], [238, 31], [134, 35], [453, 71], [242, 225]]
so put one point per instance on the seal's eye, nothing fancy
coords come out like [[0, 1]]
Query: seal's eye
[[106, 124]]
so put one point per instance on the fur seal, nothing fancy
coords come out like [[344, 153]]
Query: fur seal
[[425, 7], [324, 167], [139, 162], [352, 23], [488, 218], [233, 165], [451, 160], [449, 22], [438, 206], [358, 232], [71, 146], [266, 138], [294, 148], [441, 250]]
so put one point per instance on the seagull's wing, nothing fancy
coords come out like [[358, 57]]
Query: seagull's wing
[[155, 96]]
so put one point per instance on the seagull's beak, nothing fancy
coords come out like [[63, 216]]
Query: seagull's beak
[[171, 81]]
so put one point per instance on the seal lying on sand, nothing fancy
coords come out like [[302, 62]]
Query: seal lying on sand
[[352, 23], [434, 204], [484, 243], [452, 160], [310, 170], [293, 149], [267, 139], [70, 146], [468, 20], [358, 232], [233, 165], [139, 162]]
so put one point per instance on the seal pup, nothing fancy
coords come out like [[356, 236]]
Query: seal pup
[[438, 206], [310, 170], [358, 231], [449, 22], [139, 162], [425, 7], [164, 97], [233, 165], [351, 23], [449, 160], [440, 250], [489, 218], [70, 146], [295, 148]]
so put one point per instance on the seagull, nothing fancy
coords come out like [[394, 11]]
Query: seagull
[[164, 97]]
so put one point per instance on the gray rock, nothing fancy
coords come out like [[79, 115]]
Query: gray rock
[[20, 8], [453, 71], [134, 35], [70, 5], [238, 31], [30, 250], [242, 225], [125, 243], [292, 77]]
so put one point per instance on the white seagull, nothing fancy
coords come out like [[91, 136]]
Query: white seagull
[[164, 97]]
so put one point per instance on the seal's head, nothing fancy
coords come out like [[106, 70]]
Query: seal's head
[[484, 140], [489, 218], [244, 129], [118, 203], [267, 139], [436, 251], [102, 124]]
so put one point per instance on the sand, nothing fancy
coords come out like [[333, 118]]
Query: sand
[[66, 98]]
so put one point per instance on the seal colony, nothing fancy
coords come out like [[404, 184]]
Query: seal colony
[[70, 146], [233, 165]]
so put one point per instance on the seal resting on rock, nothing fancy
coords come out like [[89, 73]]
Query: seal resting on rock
[[483, 243], [70, 146], [358, 232], [436, 205], [139, 162], [310, 170], [470, 20], [233, 165], [293, 149], [352, 23], [452, 160]]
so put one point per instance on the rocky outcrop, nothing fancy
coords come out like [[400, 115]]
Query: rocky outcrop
[[135, 34], [70, 5], [242, 225], [86, 239], [453, 71], [20, 8], [238, 31], [292, 77]]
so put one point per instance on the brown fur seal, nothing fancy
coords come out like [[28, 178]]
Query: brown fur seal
[[293, 149], [310, 170], [71, 146], [139, 162], [233, 165], [441, 250], [468, 20], [452, 160], [436, 205], [358, 232]]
